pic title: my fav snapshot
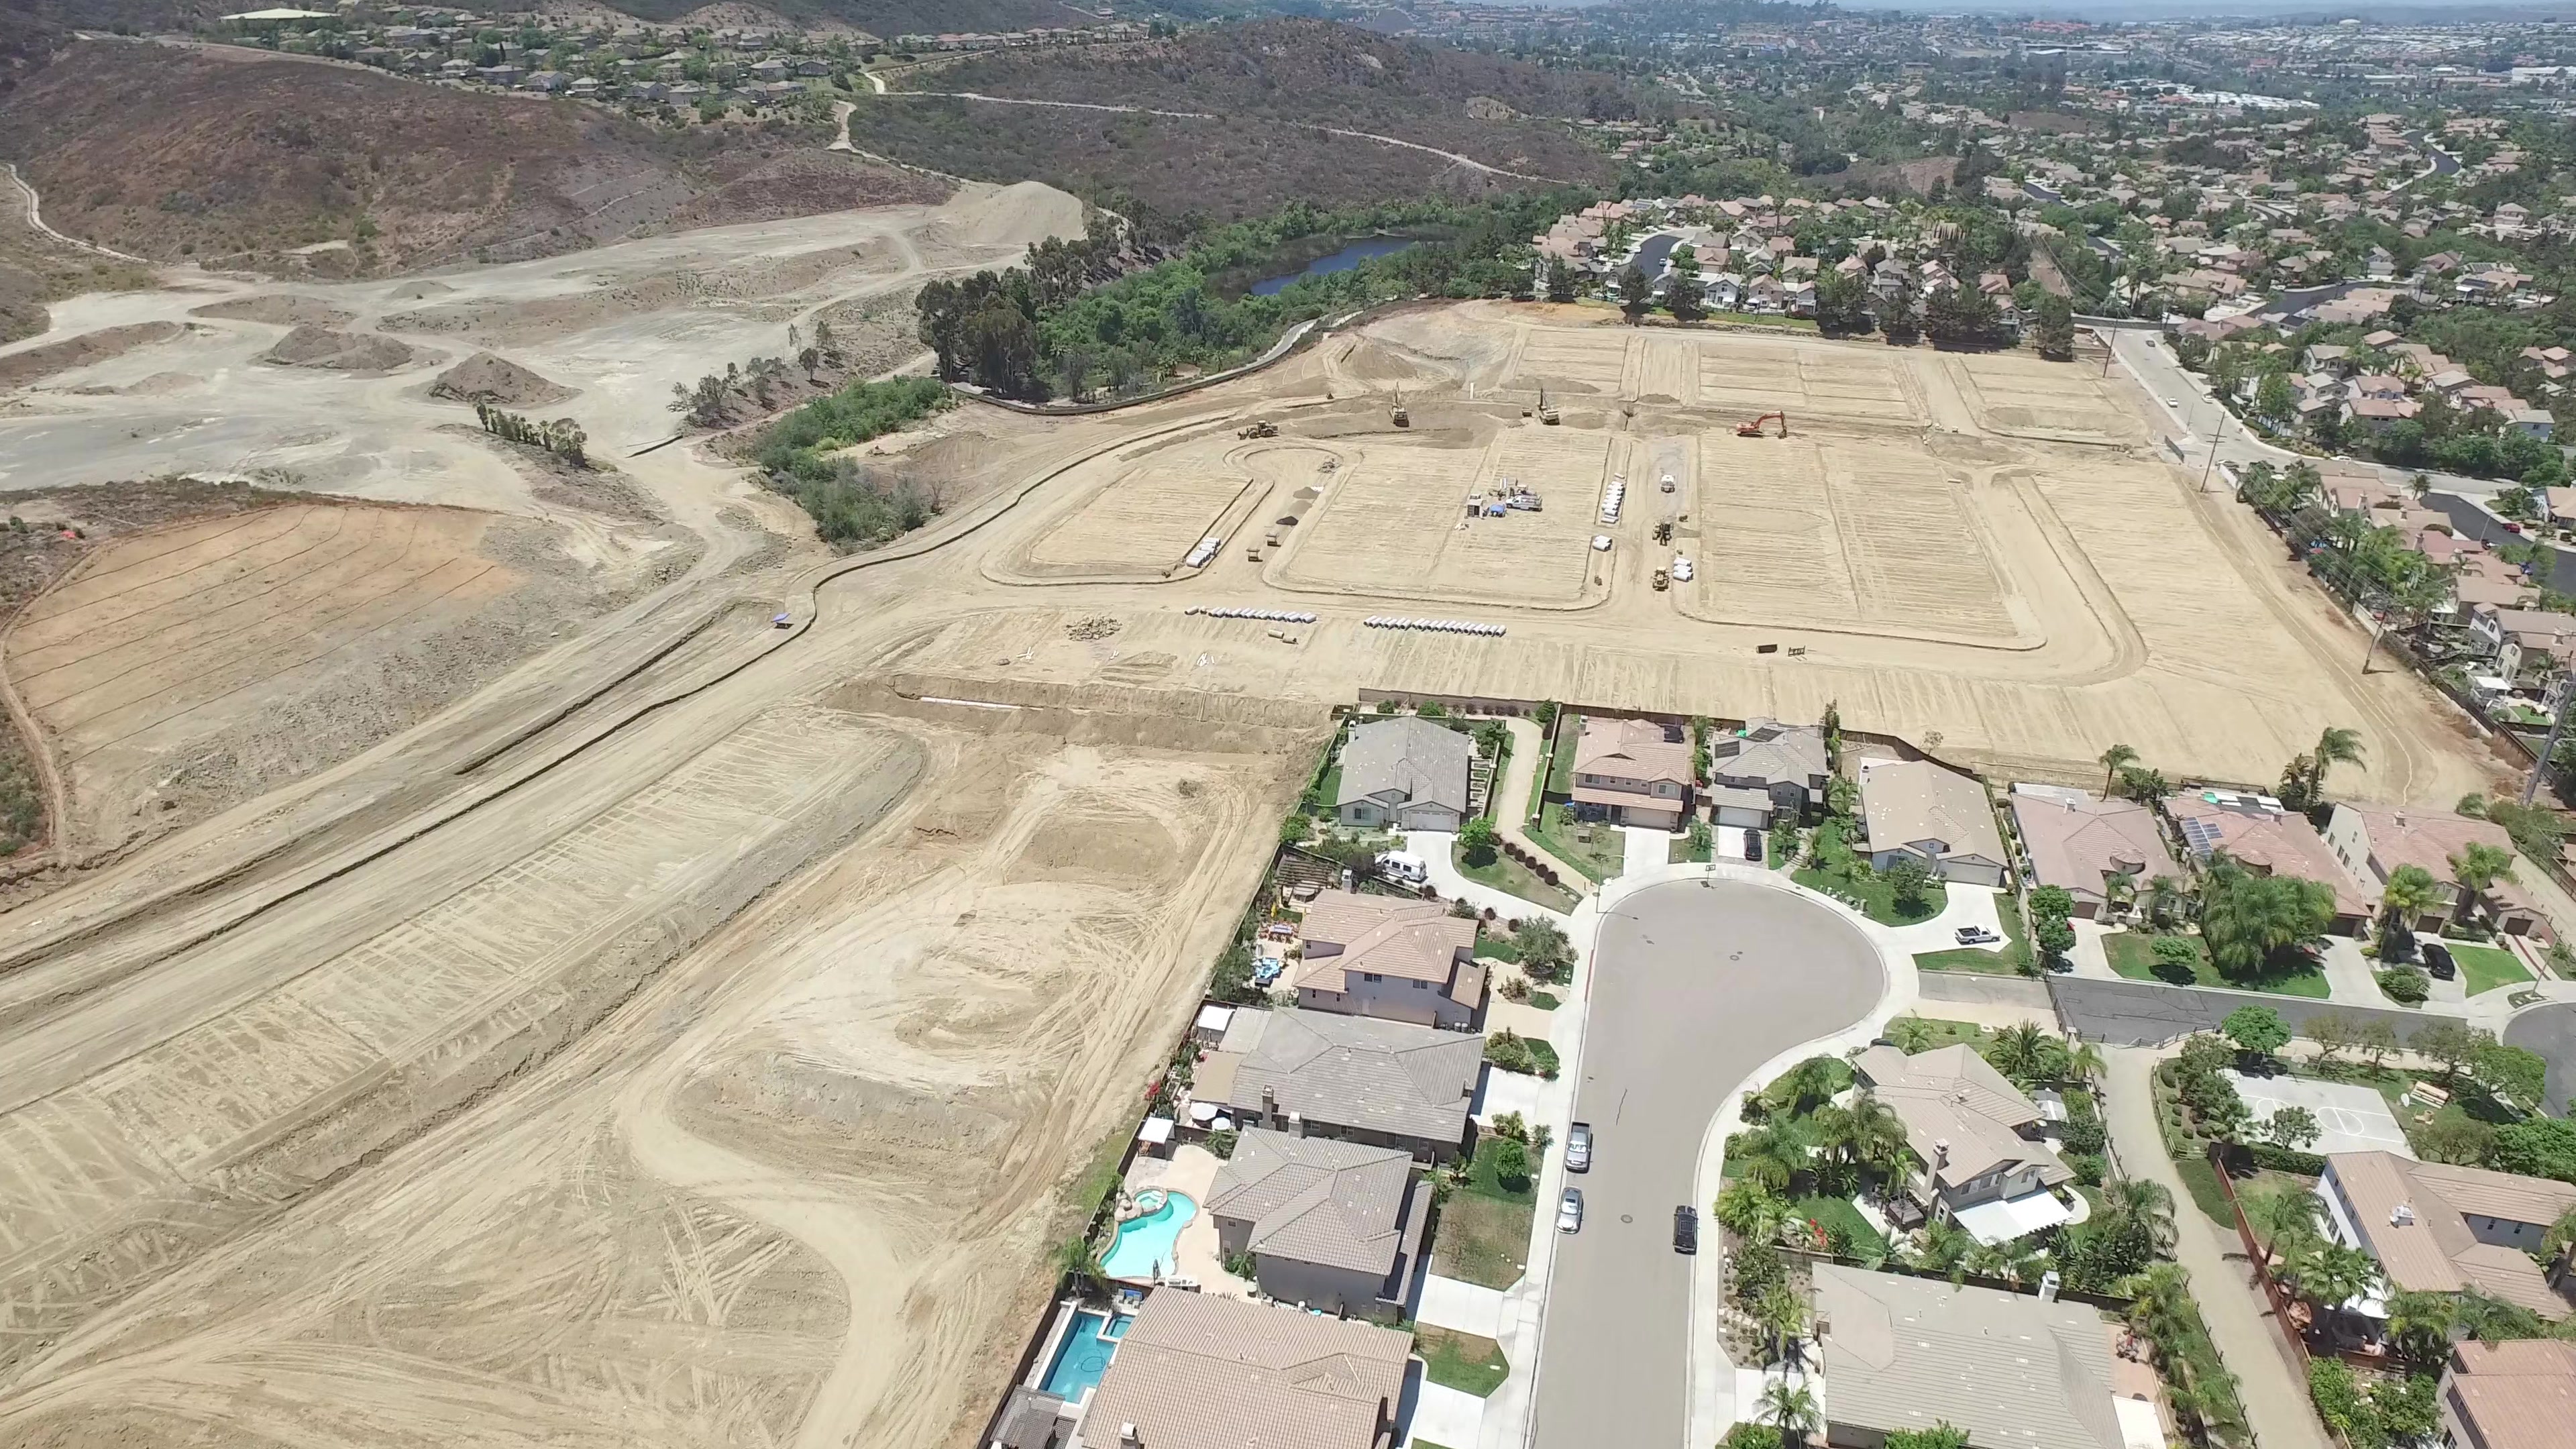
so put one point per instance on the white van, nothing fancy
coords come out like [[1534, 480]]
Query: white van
[[1395, 865]]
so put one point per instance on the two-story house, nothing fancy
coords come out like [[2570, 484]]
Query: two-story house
[[1768, 770], [2374, 842], [2436, 1228], [1403, 960], [1633, 772], [1938, 816], [1332, 1226], [1360, 1079], [1975, 1141]]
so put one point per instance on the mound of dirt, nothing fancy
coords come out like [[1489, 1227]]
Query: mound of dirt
[[276, 310], [1019, 215], [490, 379], [20, 369], [421, 291], [311, 346]]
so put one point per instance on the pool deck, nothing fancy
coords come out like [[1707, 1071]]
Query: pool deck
[[1191, 1170]]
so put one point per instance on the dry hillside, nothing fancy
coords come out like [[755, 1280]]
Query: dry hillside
[[1501, 112], [890, 18], [222, 155]]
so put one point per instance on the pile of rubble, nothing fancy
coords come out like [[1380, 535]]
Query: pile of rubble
[[1094, 626]]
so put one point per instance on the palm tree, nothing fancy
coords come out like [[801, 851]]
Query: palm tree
[[1792, 1411], [2019, 1051], [1946, 1246], [2085, 1063], [1910, 1033], [2111, 760], [2165, 900], [1873, 1136], [2479, 866], [2337, 746], [2419, 1325], [2146, 1204], [2119, 892], [1783, 1315], [2333, 1275], [2410, 892], [2010, 1260], [1075, 1258], [2288, 1222], [1751, 1211]]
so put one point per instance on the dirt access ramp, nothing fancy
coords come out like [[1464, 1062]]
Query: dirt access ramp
[[185, 667]]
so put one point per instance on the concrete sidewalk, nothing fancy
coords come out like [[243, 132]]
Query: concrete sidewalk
[[2240, 1323]]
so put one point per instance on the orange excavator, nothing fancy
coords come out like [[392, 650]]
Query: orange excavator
[[1753, 429]]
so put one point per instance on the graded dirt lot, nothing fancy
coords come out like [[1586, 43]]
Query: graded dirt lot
[[699, 1032]]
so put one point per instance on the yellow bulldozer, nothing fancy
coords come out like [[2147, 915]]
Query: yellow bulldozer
[[1262, 429]]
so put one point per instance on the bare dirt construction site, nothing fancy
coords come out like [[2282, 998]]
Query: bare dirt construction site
[[520, 995]]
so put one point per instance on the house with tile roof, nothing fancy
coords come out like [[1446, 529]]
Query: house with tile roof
[[1334, 1226], [1912, 1353], [2266, 839], [1404, 774], [2098, 850], [1938, 816], [2519, 1394], [1405, 960], [2374, 842], [1633, 772], [1975, 1140], [2436, 1228], [1385, 1083], [1198, 1371]]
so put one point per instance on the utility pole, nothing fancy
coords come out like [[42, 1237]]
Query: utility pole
[[2549, 747], [2213, 449]]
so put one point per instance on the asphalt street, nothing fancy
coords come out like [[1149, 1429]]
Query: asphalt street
[[1695, 985], [2550, 1031]]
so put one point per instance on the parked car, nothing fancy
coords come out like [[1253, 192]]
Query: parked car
[[1569, 1211], [1976, 936], [2437, 959], [1752, 845], [1578, 1147], [1686, 1229]]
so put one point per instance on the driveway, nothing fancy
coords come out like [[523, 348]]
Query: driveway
[[1695, 986]]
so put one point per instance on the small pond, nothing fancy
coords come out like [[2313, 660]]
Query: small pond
[[1341, 261]]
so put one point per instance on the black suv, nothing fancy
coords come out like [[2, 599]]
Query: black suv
[[2437, 959], [1686, 1229]]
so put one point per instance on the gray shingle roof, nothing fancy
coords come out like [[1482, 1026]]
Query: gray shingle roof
[[1906, 1353], [1410, 758], [1769, 751], [1357, 1071], [1317, 1200]]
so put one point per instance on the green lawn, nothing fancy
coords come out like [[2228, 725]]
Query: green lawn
[[2484, 968], [2265, 1184], [1559, 776], [1460, 1361], [1967, 958], [1484, 1229], [1940, 1032], [1545, 1001], [2132, 954], [1599, 851], [1495, 946], [1509, 875], [1682, 851], [1837, 1215], [2201, 1180], [1864, 891]]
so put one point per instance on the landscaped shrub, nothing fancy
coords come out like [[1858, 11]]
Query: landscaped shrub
[[1221, 1144], [1511, 1164], [2407, 984], [2283, 1159]]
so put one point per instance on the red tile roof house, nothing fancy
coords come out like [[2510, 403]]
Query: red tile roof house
[[2373, 842], [1633, 771], [2267, 840], [2514, 1395], [2084, 843], [1395, 959]]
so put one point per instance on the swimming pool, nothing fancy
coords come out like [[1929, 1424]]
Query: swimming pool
[[1145, 1243], [1085, 1353]]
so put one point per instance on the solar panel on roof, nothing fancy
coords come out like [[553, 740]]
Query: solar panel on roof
[[2202, 836]]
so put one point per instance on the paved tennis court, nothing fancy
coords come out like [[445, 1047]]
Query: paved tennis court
[[2352, 1118]]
